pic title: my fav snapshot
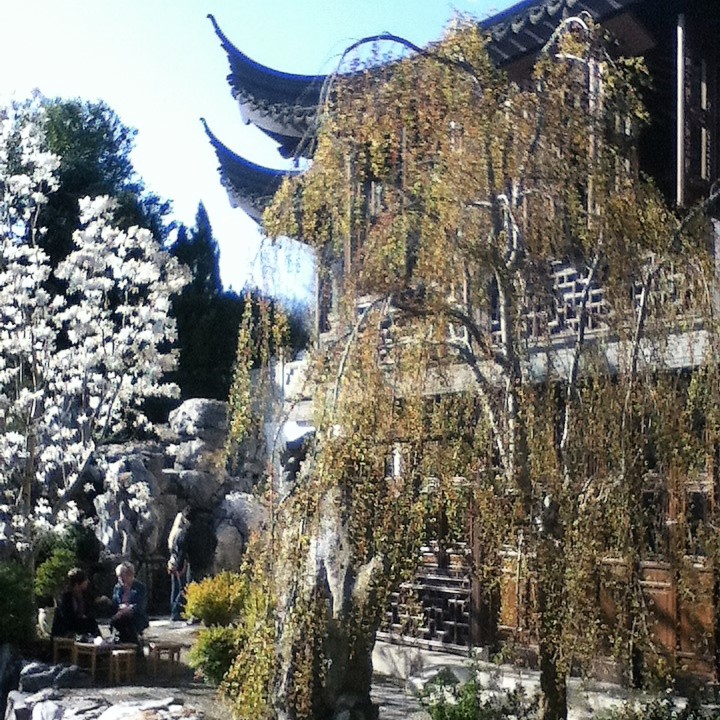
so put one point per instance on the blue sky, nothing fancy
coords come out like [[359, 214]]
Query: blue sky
[[159, 64]]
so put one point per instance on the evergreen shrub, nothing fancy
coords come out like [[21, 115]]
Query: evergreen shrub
[[51, 575], [17, 609], [217, 600], [663, 708], [213, 652], [448, 699]]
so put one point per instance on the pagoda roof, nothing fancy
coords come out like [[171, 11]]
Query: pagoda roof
[[249, 186], [284, 105], [525, 28]]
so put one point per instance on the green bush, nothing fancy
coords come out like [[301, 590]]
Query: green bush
[[82, 540], [246, 683], [213, 652], [77, 537], [17, 609], [51, 575], [217, 600], [240, 658], [660, 709], [447, 699]]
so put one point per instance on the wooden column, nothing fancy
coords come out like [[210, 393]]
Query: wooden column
[[680, 112]]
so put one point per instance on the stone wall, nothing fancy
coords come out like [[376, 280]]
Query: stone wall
[[139, 487]]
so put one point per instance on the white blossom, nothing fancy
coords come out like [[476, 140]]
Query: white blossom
[[72, 365]]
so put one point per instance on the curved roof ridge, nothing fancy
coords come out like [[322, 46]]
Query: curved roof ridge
[[220, 147], [522, 28], [237, 54], [284, 105], [249, 186]]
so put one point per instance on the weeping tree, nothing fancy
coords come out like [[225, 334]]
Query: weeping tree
[[517, 307]]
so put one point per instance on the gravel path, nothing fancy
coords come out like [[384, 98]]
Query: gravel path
[[394, 703]]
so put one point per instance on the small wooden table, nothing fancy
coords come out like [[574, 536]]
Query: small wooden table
[[122, 665], [91, 652], [62, 645], [169, 651]]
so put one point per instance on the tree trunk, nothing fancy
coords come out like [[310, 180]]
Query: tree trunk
[[553, 685], [553, 679], [339, 642], [349, 675]]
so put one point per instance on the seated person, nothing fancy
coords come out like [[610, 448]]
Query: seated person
[[129, 605], [75, 614]]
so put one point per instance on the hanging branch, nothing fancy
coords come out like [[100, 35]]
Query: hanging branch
[[575, 365]]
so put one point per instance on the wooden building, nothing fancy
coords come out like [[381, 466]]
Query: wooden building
[[680, 149]]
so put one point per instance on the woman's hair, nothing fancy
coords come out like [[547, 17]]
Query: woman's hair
[[125, 568], [76, 576]]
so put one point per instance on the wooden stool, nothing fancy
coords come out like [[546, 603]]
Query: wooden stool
[[169, 651], [122, 665], [83, 650], [62, 645]]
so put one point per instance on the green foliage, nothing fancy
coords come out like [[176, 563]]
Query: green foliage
[[83, 541], [56, 554], [265, 332], [17, 609], [448, 699], [209, 319], [217, 600], [238, 610], [78, 538], [247, 684], [94, 145], [663, 708], [51, 575], [199, 251], [214, 651]]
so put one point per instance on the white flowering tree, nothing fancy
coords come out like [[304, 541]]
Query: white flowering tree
[[81, 345]]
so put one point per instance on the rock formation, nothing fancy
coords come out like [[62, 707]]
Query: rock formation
[[140, 486]]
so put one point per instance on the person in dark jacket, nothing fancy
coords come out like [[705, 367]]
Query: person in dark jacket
[[75, 612], [178, 566], [129, 605]]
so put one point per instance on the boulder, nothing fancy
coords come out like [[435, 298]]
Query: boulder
[[243, 510], [16, 707], [238, 515], [38, 676], [50, 705], [198, 454], [200, 418], [132, 514], [230, 547], [72, 677], [200, 490], [47, 710], [21, 706]]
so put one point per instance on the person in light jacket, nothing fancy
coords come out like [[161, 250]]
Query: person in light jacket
[[129, 605]]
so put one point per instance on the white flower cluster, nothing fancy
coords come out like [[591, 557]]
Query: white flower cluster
[[72, 363], [27, 168]]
